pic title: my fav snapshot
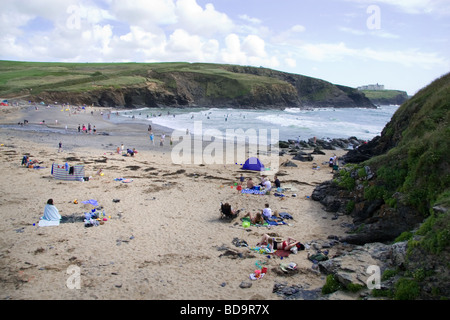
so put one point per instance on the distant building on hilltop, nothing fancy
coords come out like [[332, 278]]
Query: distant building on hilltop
[[372, 87]]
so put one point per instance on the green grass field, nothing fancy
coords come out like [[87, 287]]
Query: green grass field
[[382, 94], [35, 77]]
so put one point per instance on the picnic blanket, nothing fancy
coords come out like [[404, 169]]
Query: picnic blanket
[[274, 221], [253, 191], [266, 250]]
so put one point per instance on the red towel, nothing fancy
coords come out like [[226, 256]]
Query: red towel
[[282, 253]]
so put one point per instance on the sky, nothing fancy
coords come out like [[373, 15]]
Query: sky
[[401, 44]]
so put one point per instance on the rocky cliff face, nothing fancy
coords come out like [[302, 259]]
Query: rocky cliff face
[[397, 188], [232, 87]]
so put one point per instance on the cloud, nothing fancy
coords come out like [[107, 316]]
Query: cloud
[[335, 52], [290, 62], [254, 46], [144, 13], [251, 51], [298, 28], [246, 18], [376, 33], [205, 22]]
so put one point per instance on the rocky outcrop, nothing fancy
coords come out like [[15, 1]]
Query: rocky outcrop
[[227, 87], [363, 266], [373, 220], [396, 188]]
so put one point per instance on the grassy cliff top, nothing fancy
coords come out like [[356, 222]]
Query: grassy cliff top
[[17, 77], [383, 94]]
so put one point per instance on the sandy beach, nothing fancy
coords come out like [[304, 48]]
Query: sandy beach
[[164, 239]]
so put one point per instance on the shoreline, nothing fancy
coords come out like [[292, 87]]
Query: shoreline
[[106, 125], [164, 239]]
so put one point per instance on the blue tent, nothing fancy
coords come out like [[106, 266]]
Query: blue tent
[[253, 164]]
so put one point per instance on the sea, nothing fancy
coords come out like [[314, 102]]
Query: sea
[[289, 124]]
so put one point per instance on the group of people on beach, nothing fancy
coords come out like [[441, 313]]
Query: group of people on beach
[[162, 137], [89, 129], [264, 183], [263, 215]]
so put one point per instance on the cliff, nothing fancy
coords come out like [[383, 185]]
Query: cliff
[[133, 85], [386, 97], [397, 188]]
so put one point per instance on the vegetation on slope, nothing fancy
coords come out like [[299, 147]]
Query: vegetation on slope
[[412, 174], [170, 84], [384, 97]]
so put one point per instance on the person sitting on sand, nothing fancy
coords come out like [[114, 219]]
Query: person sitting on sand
[[25, 160], [250, 183], [228, 211], [277, 182], [278, 243], [267, 212], [267, 185], [256, 219], [51, 213]]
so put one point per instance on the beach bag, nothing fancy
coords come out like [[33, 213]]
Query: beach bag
[[318, 257]]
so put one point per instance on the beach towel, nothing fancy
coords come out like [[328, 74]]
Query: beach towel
[[123, 180], [51, 213], [285, 215], [278, 195], [92, 201], [282, 253], [253, 191], [254, 224], [46, 223], [274, 221]]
